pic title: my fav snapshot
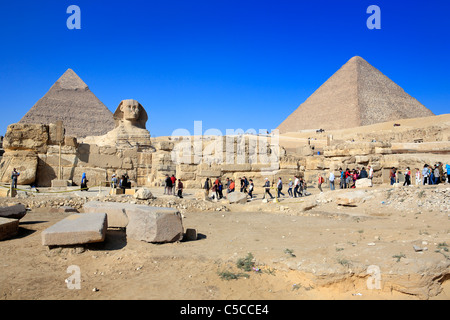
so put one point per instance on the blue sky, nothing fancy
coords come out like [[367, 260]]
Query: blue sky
[[231, 64]]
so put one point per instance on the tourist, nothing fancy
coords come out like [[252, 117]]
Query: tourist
[[354, 177], [290, 185], [173, 183], [245, 184], [392, 175], [206, 187], [219, 187], [447, 166], [180, 188], [280, 187], [348, 178], [14, 176], [363, 174], [407, 177], [441, 172], [114, 181], [267, 188], [437, 179], [84, 182], [296, 187], [169, 184], [370, 172], [425, 174], [341, 179], [232, 186], [319, 182], [418, 179], [250, 189], [331, 179]]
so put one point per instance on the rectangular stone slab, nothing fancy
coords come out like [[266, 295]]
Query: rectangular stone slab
[[8, 228], [76, 229]]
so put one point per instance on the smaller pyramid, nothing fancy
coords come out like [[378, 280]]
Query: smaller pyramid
[[71, 101], [357, 95]]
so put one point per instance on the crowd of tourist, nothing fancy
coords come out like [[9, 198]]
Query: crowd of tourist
[[297, 186]]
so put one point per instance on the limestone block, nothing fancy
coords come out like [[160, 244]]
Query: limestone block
[[351, 198], [155, 225], [117, 217], [164, 145], [76, 229], [25, 162], [8, 228], [17, 211], [30, 137], [237, 197], [363, 183], [143, 194]]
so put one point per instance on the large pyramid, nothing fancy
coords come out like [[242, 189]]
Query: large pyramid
[[356, 95], [71, 101]]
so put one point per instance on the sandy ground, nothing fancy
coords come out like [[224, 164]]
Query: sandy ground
[[322, 254]]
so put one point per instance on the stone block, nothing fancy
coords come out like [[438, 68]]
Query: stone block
[[130, 192], [363, 183], [116, 191], [237, 197], [117, 217], [17, 211], [191, 234], [8, 228], [154, 224], [76, 229]]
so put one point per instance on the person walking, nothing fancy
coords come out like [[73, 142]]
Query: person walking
[[392, 176], [84, 182], [407, 177], [425, 175], [319, 183], [331, 179], [296, 186], [250, 189], [418, 179], [180, 189], [280, 187], [169, 184], [290, 185], [267, 189]]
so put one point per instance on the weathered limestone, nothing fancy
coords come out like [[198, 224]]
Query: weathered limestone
[[363, 183], [17, 211], [76, 229], [155, 225], [116, 212], [144, 223], [237, 197], [351, 198], [143, 194], [8, 228]]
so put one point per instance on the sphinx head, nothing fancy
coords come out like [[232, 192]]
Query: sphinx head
[[131, 112]]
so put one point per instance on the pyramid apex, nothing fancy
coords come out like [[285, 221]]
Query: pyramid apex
[[71, 81]]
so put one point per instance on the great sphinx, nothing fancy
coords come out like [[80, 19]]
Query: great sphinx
[[130, 128]]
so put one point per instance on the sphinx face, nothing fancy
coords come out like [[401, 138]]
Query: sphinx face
[[130, 110]]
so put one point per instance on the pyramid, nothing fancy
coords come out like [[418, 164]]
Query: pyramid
[[356, 95], [71, 101]]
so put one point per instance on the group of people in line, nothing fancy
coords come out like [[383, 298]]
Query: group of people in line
[[429, 175], [296, 188]]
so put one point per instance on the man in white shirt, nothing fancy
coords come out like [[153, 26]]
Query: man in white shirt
[[370, 172], [331, 180]]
